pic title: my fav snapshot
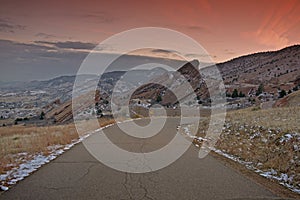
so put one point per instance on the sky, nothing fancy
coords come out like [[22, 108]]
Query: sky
[[45, 39]]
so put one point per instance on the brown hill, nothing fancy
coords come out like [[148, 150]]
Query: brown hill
[[290, 100], [63, 113], [272, 68]]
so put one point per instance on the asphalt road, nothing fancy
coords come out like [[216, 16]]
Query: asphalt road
[[78, 175]]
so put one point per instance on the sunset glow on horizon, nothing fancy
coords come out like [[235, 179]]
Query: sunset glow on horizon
[[226, 29]]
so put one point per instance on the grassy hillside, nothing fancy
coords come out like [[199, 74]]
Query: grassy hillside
[[266, 141]]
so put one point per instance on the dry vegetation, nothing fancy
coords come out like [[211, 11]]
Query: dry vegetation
[[16, 140], [286, 119], [268, 141], [265, 140]]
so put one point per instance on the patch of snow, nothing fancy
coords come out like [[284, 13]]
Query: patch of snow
[[257, 134], [37, 92], [16, 174], [9, 94], [264, 140], [286, 138], [289, 136], [4, 188], [282, 178]]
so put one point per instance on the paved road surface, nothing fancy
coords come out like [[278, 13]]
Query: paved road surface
[[77, 175]]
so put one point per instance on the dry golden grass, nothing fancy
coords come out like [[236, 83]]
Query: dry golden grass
[[286, 119], [30, 139], [268, 139], [18, 139]]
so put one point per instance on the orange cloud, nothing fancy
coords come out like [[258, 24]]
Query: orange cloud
[[273, 31]]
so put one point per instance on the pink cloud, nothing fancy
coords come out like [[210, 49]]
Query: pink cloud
[[273, 31]]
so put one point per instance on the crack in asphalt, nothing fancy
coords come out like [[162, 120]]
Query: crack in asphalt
[[125, 185], [87, 172], [57, 188], [135, 188], [133, 183], [70, 187]]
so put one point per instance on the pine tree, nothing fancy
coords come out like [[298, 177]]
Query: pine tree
[[42, 116], [260, 89], [158, 99], [241, 94], [282, 93], [235, 93]]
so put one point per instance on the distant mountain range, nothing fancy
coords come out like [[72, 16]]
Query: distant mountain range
[[275, 70]]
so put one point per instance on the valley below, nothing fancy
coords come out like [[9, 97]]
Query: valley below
[[261, 130]]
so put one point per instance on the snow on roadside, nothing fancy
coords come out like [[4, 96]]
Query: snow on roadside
[[282, 178], [34, 162]]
